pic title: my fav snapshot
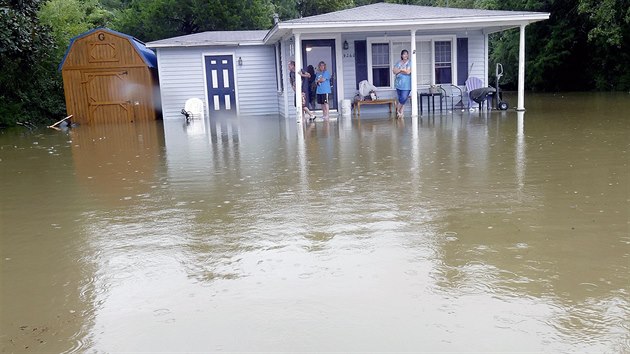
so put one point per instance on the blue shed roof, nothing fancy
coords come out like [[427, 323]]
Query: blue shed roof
[[147, 55]]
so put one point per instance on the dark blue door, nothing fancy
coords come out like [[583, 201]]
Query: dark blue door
[[221, 88]]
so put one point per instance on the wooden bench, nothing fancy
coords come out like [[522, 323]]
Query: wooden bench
[[390, 101]]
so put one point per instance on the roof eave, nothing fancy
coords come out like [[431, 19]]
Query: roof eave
[[420, 22], [453, 22], [203, 43]]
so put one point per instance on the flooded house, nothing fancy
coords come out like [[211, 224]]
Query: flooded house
[[110, 77], [245, 72]]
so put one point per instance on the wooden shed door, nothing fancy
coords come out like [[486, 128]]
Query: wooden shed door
[[221, 88], [107, 96]]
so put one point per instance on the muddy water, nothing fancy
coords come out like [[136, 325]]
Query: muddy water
[[457, 232]]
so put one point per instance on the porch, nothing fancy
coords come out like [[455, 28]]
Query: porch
[[446, 47]]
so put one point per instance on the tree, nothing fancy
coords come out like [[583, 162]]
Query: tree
[[157, 19], [28, 68], [286, 9], [609, 34], [69, 18], [307, 8]]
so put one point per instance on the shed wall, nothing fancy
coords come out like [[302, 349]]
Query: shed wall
[[106, 81], [110, 50]]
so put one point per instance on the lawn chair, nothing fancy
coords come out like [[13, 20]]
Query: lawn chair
[[193, 109], [477, 92]]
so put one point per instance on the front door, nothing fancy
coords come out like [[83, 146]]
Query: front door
[[314, 51], [221, 89]]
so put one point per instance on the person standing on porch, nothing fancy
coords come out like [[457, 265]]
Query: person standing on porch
[[305, 77], [312, 87], [402, 70], [323, 88]]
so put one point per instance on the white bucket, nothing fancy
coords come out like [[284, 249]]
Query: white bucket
[[346, 107]]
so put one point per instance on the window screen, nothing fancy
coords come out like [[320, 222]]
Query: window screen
[[380, 65]]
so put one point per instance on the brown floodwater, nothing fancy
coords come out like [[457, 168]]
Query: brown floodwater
[[459, 232]]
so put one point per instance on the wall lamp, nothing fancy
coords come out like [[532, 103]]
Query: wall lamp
[[240, 61], [345, 45]]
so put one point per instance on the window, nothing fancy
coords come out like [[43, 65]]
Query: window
[[443, 66], [423, 57], [380, 65], [434, 60]]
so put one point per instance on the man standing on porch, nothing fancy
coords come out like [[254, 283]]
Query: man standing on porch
[[305, 77], [402, 70], [323, 88]]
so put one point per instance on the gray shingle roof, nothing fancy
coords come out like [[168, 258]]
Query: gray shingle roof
[[213, 38], [398, 12]]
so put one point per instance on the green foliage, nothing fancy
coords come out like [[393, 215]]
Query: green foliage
[[317, 7], [286, 9], [69, 18], [30, 87], [583, 46], [158, 19]]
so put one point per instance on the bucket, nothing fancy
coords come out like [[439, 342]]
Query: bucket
[[346, 107]]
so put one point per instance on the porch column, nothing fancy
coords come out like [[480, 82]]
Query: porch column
[[414, 76], [521, 71], [298, 78]]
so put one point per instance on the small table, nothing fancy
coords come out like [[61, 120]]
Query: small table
[[390, 101], [431, 96]]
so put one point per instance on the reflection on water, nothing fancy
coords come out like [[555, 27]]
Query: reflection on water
[[479, 232]]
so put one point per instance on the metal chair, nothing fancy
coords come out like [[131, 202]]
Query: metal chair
[[455, 94]]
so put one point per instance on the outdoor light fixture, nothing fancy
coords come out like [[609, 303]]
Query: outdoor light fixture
[[240, 61], [345, 45]]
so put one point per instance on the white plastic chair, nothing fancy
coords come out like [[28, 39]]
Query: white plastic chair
[[193, 109]]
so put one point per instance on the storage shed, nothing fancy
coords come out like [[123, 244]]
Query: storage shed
[[110, 77]]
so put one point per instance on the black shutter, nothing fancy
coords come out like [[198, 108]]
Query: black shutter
[[462, 60], [360, 61]]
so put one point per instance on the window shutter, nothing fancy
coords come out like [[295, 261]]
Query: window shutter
[[462, 60], [360, 61]]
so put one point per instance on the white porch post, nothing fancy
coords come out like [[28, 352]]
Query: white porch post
[[414, 76], [521, 71], [298, 78]]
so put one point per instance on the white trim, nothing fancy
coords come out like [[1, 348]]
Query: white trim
[[379, 40], [486, 50], [414, 76], [339, 73], [205, 43], [160, 74], [521, 70], [285, 78], [205, 80], [278, 64], [297, 93], [481, 19]]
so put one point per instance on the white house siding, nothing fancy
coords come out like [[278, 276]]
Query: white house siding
[[181, 73], [477, 56], [256, 81]]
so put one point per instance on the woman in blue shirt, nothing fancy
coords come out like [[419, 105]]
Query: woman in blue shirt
[[402, 70], [323, 88]]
